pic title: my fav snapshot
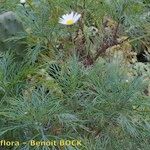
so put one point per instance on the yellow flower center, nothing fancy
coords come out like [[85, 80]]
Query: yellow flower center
[[70, 22]]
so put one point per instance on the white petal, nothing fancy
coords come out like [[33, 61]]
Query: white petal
[[64, 16], [69, 18], [61, 19], [77, 17], [62, 22], [71, 14], [75, 14]]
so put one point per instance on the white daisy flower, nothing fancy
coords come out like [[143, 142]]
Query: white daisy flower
[[23, 1], [69, 19]]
